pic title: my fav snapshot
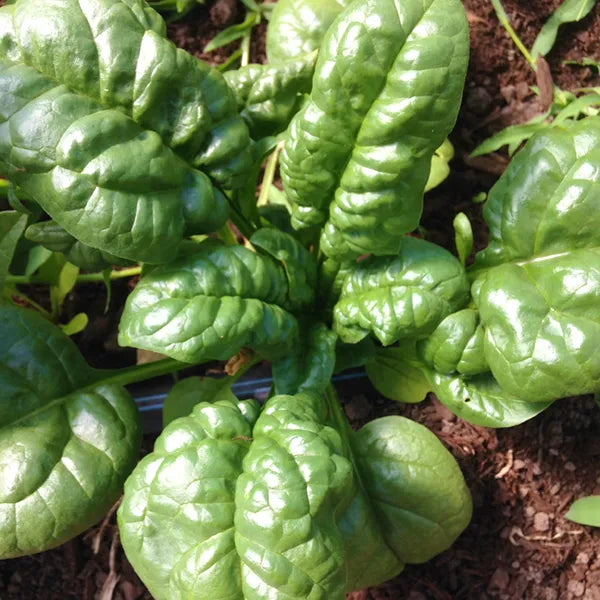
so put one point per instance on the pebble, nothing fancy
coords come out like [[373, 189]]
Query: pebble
[[569, 466], [541, 522], [577, 588], [499, 579]]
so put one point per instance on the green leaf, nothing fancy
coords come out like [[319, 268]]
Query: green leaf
[[397, 374], [211, 304], [125, 159], [77, 324], [568, 12], [350, 356], [36, 257], [585, 511], [463, 237], [66, 445], [233, 33], [309, 366], [188, 392], [481, 401], [539, 278], [358, 154], [12, 225], [269, 96], [225, 467], [440, 165], [297, 27], [576, 108], [514, 135], [409, 502], [398, 297]]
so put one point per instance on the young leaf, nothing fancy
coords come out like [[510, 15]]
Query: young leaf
[[440, 165], [568, 12], [235, 32], [37, 256], [585, 511], [77, 324], [463, 237], [12, 225]]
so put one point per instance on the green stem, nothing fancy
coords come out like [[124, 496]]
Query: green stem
[[85, 278], [137, 373], [239, 220], [503, 18], [33, 303], [226, 235], [269, 175], [230, 60], [245, 46]]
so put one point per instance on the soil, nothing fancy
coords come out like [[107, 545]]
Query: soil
[[518, 545]]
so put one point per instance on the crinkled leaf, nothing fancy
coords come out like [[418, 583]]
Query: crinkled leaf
[[456, 345], [258, 501], [299, 265], [65, 445], [568, 12], [309, 366], [268, 97], [350, 356], [297, 27], [53, 237], [538, 281], [401, 296], [188, 392], [12, 225], [385, 94], [105, 124], [211, 304]]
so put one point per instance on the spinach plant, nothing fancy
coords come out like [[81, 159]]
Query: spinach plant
[[134, 151]]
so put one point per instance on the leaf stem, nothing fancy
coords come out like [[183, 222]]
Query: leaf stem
[[82, 278], [503, 18], [269, 175]]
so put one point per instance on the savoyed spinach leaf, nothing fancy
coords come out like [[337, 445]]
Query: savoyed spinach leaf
[[211, 304], [12, 225], [385, 94], [405, 296], [538, 281], [105, 124], [297, 27], [65, 445], [228, 505]]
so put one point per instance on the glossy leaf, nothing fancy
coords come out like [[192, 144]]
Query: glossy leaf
[[404, 296], [115, 161], [440, 165], [358, 154], [269, 96], [234, 539], [397, 374], [409, 500], [309, 367], [52, 236], [538, 281], [463, 237], [297, 27], [568, 12], [12, 225], [211, 304], [188, 392], [481, 401], [65, 445]]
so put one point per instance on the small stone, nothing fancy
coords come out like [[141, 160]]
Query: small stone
[[515, 564], [499, 580], [536, 469], [529, 511], [541, 522], [518, 465], [555, 489], [569, 466], [577, 588], [583, 558]]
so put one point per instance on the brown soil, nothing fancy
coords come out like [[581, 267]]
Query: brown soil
[[518, 546]]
